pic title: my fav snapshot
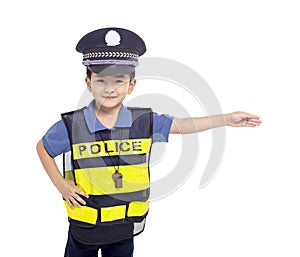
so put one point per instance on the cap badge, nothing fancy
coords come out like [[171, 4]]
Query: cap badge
[[112, 38]]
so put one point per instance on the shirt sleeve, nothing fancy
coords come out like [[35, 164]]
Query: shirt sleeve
[[161, 127], [56, 140]]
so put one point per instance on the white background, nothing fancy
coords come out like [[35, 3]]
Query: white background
[[248, 52]]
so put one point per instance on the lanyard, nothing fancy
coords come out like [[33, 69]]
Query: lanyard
[[117, 176]]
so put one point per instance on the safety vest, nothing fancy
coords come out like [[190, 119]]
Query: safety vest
[[92, 163]]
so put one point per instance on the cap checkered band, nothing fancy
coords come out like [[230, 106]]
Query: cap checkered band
[[111, 54]]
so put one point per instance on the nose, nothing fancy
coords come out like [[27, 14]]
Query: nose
[[109, 88]]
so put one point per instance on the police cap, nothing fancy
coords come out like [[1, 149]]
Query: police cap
[[111, 51]]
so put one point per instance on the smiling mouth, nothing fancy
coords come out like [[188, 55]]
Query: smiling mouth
[[109, 96]]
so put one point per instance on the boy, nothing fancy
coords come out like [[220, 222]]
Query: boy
[[106, 186]]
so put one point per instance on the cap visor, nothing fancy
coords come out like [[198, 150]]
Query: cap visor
[[111, 70]]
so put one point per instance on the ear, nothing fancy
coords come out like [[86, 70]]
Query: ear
[[131, 86], [88, 83]]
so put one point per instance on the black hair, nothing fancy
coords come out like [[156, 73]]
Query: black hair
[[89, 74]]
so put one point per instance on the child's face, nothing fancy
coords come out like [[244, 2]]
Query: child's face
[[110, 91]]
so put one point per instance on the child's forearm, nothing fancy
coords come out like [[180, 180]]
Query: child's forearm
[[71, 193], [49, 165], [197, 124]]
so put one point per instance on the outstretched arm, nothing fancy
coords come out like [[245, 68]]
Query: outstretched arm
[[198, 124]]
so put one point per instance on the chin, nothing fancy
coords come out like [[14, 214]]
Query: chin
[[108, 104]]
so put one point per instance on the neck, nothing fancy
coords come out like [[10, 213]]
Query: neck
[[107, 116]]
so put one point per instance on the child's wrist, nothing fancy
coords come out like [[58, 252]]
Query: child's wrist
[[218, 120], [226, 119]]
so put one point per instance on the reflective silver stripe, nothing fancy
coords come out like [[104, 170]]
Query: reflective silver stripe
[[99, 62]]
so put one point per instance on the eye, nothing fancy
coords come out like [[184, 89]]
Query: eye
[[101, 82], [119, 81]]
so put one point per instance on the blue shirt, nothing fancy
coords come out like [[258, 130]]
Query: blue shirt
[[56, 140]]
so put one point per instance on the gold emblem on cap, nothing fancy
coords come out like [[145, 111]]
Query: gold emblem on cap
[[112, 38]]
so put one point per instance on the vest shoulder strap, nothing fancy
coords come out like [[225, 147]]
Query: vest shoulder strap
[[137, 111], [72, 112]]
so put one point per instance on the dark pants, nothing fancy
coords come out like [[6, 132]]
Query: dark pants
[[119, 249]]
